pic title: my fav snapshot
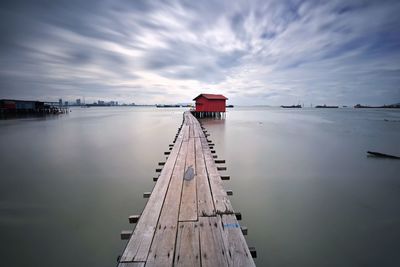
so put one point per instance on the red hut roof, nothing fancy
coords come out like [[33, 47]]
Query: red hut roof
[[211, 96]]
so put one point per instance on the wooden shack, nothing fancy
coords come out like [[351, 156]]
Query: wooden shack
[[210, 105]]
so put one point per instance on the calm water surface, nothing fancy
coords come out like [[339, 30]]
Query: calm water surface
[[301, 178]]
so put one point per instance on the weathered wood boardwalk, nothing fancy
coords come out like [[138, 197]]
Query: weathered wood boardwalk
[[188, 219]]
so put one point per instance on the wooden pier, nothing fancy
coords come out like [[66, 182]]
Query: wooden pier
[[188, 219]]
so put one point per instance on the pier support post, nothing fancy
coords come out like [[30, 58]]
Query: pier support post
[[126, 234], [134, 218]]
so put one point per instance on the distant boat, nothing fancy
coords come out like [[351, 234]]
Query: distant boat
[[229, 106], [384, 106], [292, 106], [168, 106], [325, 106]]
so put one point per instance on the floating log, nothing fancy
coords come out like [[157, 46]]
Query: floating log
[[382, 155]]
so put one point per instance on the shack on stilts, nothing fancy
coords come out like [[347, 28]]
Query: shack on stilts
[[210, 105]]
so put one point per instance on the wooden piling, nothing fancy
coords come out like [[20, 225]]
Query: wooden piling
[[133, 218]]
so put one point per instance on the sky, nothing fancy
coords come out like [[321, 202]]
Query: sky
[[267, 52]]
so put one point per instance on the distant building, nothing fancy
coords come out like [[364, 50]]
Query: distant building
[[66, 103], [60, 102], [100, 102], [210, 103], [78, 102]]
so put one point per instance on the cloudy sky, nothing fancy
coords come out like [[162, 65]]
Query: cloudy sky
[[255, 52]]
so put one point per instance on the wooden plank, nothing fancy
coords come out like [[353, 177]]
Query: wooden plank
[[235, 243], [187, 252], [192, 135], [205, 203], [131, 264], [196, 129], [212, 247], [188, 207], [138, 246], [163, 245], [221, 201]]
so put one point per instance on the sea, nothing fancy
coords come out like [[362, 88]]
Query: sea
[[307, 190]]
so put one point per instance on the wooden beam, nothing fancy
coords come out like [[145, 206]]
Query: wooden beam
[[205, 203], [187, 245], [126, 234], [134, 218], [213, 251], [131, 264], [188, 207], [235, 242], [244, 230], [253, 252], [238, 216], [220, 198]]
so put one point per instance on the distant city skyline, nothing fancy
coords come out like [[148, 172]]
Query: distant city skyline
[[254, 52]]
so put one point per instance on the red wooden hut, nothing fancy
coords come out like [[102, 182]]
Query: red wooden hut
[[210, 105]]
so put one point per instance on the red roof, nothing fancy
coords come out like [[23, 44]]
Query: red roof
[[211, 96]]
